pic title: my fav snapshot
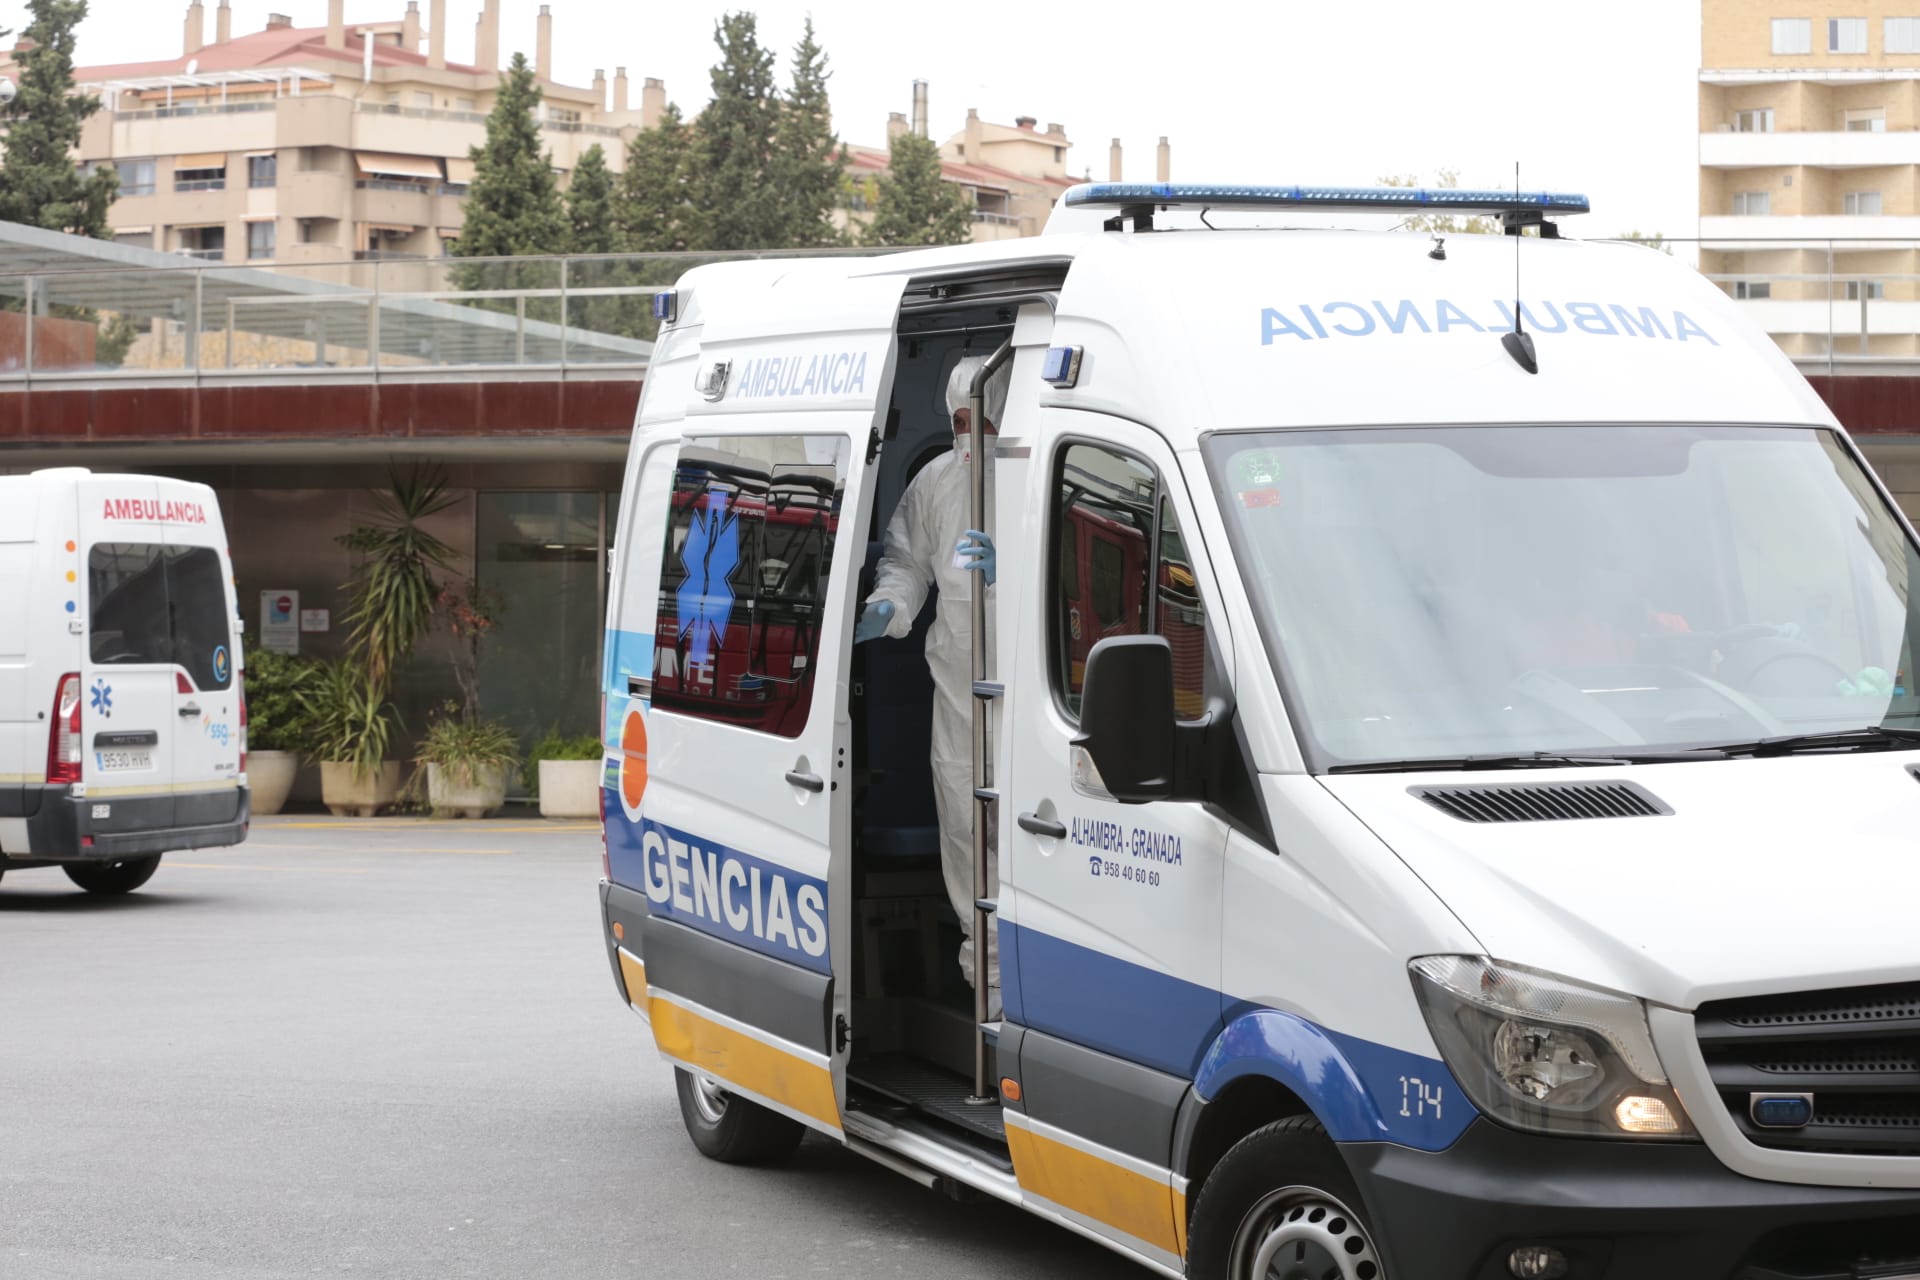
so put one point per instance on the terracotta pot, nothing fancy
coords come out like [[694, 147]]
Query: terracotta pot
[[570, 788], [483, 795], [348, 794], [270, 776]]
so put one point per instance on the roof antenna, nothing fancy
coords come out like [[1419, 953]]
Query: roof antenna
[[1519, 343]]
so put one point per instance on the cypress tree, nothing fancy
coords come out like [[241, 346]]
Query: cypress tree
[[514, 205], [915, 204], [39, 184], [735, 136], [590, 208], [658, 208], [808, 159]]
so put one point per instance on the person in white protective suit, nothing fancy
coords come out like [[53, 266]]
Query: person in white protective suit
[[930, 543]]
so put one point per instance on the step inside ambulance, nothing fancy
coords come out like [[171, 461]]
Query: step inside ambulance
[[123, 730], [1449, 746]]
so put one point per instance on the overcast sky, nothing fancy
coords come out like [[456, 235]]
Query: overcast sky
[[1590, 97]]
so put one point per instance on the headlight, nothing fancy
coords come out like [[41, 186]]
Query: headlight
[[1543, 1053]]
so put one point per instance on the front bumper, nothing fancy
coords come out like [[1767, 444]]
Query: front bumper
[[131, 826], [1621, 1211]]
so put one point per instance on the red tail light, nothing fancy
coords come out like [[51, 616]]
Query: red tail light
[[240, 686], [63, 735], [183, 685]]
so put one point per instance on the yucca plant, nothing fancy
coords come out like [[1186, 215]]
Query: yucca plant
[[347, 719], [391, 596], [464, 749]]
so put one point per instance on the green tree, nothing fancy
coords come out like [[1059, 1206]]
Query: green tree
[[1443, 223], [39, 184], [1651, 239], [914, 204], [735, 137], [659, 207], [514, 205], [807, 158], [592, 227]]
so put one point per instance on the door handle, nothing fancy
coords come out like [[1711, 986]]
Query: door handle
[[188, 710], [1034, 824], [806, 781]]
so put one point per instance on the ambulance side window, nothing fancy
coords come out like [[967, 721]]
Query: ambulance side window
[[748, 547], [1121, 569]]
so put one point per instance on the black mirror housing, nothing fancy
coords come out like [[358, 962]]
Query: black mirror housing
[[1127, 722]]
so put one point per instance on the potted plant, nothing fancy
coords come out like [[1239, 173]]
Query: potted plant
[[564, 773], [277, 687], [392, 595], [466, 763], [349, 727]]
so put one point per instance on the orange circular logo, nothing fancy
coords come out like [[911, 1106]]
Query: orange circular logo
[[633, 760]]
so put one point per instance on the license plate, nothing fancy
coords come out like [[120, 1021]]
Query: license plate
[[122, 761]]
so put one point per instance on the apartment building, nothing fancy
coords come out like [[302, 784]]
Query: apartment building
[[318, 144], [1810, 172]]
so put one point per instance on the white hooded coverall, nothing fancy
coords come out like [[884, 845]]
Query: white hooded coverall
[[919, 554]]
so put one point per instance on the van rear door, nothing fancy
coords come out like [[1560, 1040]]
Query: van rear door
[[127, 676], [207, 726]]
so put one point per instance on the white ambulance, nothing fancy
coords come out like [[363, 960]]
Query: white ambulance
[[123, 729], [1453, 757]]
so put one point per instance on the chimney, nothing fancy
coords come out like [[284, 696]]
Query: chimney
[[196, 28], [410, 28], [975, 137], [278, 21], [437, 34], [486, 39], [1163, 163], [222, 23], [619, 88], [896, 124], [336, 24], [920, 108], [1113, 161], [599, 89], [653, 102], [543, 46], [1024, 122]]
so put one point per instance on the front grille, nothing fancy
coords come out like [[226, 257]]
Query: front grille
[[1856, 1050]]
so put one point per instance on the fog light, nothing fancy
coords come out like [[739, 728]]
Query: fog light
[[1537, 1262], [1639, 1114]]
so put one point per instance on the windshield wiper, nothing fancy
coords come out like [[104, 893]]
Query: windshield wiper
[[1530, 760], [1873, 737]]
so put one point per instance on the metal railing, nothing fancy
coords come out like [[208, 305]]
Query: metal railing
[[206, 109], [372, 317], [200, 184], [480, 118]]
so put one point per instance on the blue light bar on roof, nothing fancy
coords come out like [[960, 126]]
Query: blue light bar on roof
[[1208, 196]]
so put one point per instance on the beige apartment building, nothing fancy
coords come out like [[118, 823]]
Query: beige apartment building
[[318, 144], [1810, 172]]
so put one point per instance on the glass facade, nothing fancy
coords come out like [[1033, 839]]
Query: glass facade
[[539, 561]]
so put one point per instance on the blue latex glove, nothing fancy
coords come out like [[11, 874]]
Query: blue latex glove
[[873, 622], [975, 551]]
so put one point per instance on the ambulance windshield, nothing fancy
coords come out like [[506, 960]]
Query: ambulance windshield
[[1449, 592]]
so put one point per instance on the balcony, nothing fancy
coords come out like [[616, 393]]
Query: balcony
[[1791, 232], [201, 184], [1853, 150]]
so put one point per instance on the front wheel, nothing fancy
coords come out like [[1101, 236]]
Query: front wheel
[[730, 1129], [1281, 1206], [121, 876]]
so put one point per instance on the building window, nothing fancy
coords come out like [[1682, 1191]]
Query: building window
[[1846, 35], [1752, 290], [1869, 289], [260, 237], [205, 179], [1869, 120], [1902, 35], [749, 540], [466, 104], [1861, 204], [206, 243], [1759, 120], [134, 239], [1792, 35], [263, 171], [136, 177], [1752, 204], [422, 99], [563, 115]]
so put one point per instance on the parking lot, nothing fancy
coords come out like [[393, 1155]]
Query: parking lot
[[393, 1048]]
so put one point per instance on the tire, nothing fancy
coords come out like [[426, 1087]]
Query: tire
[[1279, 1204], [729, 1128], [107, 878]]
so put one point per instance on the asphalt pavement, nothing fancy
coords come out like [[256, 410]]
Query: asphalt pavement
[[394, 1049]]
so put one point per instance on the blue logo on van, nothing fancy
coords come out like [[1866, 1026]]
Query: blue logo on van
[[711, 554], [221, 663], [103, 699]]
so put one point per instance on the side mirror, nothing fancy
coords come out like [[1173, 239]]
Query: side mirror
[[1127, 726]]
